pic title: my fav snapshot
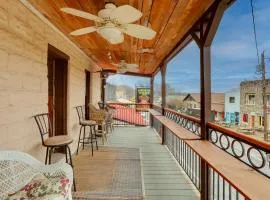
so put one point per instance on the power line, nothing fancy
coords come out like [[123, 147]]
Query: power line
[[254, 30]]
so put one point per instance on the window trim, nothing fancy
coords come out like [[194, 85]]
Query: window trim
[[231, 98], [247, 101]]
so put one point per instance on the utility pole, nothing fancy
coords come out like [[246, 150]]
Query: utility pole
[[264, 83]]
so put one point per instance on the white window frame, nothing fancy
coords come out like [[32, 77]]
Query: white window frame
[[230, 99], [248, 101]]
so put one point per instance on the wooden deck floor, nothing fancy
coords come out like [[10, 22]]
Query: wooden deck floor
[[161, 176]]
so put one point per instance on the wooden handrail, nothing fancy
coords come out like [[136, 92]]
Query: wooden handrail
[[158, 106], [194, 119], [248, 139], [243, 178], [177, 130], [154, 112]]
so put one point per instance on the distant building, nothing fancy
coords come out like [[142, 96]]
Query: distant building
[[175, 101], [251, 104], [192, 102], [232, 106]]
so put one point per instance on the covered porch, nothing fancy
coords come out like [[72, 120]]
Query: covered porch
[[154, 152]]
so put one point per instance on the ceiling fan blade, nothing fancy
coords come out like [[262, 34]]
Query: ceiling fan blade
[[83, 31], [138, 31], [126, 14], [80, 13]]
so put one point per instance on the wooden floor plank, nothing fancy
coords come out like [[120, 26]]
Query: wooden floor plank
[[162, 176], [172, 198], [164, 186], [166, 193]]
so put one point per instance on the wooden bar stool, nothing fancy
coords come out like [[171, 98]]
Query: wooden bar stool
[[99, 117], [91, 138], [51, 143]]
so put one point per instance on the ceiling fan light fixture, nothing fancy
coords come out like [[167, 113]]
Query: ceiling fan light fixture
[[111, 33], [121, 70], [110, 6]]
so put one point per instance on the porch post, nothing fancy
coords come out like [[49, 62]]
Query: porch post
[[163, 97], [103, 85], [151, 98], [152, 91], [203, 34], [205, 80]]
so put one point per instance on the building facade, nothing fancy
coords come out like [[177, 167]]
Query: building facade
[[251, 105], [232, 106], [192, 103]]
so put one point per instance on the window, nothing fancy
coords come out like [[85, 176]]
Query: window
[[250, 99], [245, 117], [232, 99], [194, 105], [268, 97], [261, 120]]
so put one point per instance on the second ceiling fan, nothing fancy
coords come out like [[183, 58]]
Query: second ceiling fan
[[112, 22]]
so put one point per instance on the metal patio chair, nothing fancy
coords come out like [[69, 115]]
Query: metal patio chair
[[51, 143], [91, 138]]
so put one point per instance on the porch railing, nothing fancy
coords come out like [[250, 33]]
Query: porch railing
[[130, 114], [228, 144], [157, 108]]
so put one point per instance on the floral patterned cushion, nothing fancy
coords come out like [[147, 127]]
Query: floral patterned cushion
[[44, 189]]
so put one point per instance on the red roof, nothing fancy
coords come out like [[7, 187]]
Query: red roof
[[129, 115]]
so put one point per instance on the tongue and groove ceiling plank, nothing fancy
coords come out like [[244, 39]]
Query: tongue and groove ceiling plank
[[171, 19]]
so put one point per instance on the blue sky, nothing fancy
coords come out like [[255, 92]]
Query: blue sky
[[233, 52]]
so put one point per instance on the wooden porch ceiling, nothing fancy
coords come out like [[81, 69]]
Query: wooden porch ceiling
[[171, 19]]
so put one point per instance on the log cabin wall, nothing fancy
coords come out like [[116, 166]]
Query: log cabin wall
[[23, 77]]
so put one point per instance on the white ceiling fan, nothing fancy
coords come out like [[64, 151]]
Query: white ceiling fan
[[123, 67], [112, 22]]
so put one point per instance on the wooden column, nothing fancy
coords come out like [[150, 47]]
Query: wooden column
[[205, 80], [203, 34], [163, 97], [152, 91], [87, 93], [151, 98], [103, 84]]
